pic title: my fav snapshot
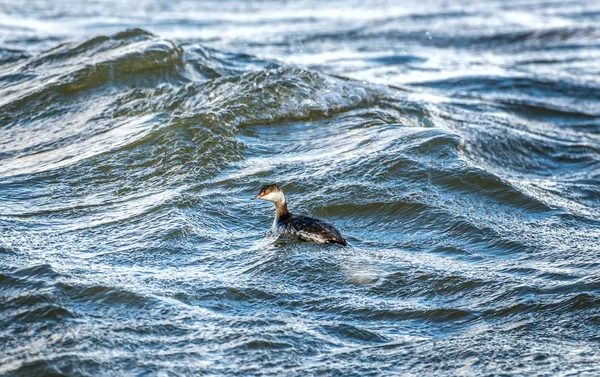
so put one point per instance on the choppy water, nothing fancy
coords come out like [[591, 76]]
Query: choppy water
[[455, 146]]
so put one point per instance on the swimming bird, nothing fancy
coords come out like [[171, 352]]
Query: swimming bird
[[306, 228]]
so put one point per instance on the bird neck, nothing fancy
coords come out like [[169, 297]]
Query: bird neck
[[281, 209]]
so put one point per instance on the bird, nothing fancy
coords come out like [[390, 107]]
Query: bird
[[304, 227]]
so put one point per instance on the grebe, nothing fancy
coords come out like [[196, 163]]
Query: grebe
[[306, 228]]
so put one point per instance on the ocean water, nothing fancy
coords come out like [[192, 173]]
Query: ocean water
[[456, 145]]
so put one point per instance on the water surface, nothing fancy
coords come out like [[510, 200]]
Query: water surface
[[456, 146]]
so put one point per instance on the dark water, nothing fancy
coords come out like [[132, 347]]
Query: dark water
[[456, 146]]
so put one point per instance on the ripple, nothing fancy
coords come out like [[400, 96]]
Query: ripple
[[466, 181]]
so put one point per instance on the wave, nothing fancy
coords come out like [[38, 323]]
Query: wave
[[553, 38], [128, 162]]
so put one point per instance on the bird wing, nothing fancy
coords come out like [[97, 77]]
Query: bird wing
[[310, 228]]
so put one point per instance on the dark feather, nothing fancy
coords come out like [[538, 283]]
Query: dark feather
[[307, 225]]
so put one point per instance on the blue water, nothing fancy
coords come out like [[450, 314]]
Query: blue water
[[454, 145]]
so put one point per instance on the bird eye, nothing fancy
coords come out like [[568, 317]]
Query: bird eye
[[267, 192]]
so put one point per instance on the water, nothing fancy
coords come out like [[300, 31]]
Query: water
[[456, 146]]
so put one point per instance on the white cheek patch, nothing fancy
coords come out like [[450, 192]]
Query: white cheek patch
[[273, 196]]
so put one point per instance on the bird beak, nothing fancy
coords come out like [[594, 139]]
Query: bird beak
[[257, 196]]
